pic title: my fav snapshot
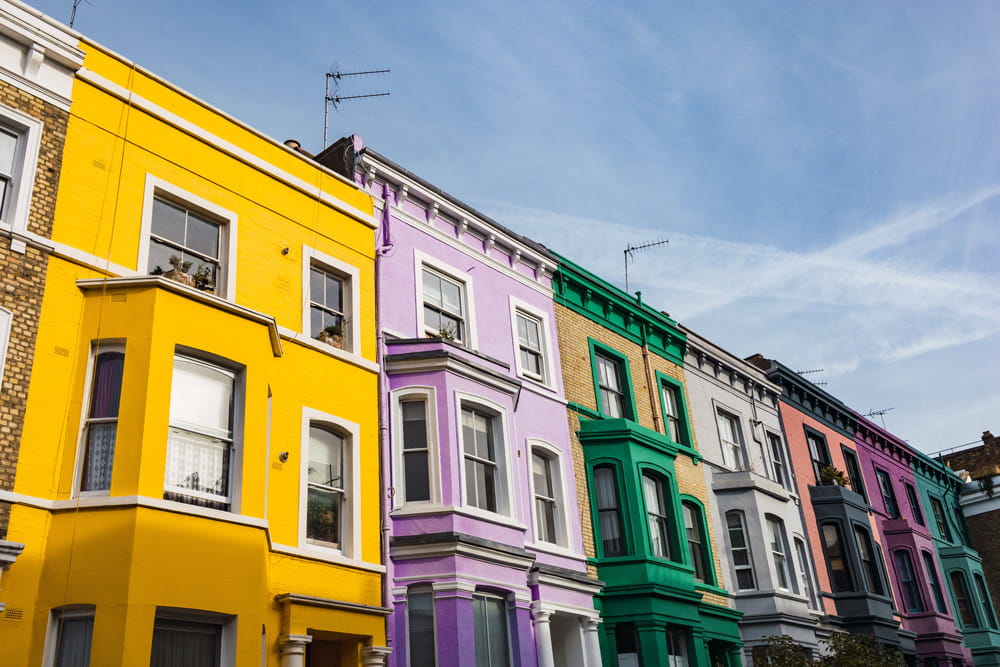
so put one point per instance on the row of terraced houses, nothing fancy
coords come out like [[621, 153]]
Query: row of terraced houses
[[264, 407]]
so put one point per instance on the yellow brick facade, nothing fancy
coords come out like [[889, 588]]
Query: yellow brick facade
[[578, 380]]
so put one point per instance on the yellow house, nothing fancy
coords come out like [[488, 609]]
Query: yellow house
[[198, 480]]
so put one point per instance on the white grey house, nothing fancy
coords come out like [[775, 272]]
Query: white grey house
[[759, 531]]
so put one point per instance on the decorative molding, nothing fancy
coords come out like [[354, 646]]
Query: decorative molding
[[329, 603]]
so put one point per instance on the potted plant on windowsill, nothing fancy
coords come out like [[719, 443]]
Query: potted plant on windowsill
[[332, 335], [203, 279], [830, 475], [448, 332], [179, 271]]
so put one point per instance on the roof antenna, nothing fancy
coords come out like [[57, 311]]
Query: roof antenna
[[879, 413], [822, 383], [72, 14], [630, 250], [336, 98]]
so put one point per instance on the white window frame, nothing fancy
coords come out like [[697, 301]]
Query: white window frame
[[97, 347], [505, 489], [770, 460], [809, 587], [559, 485], [422, 261], [351, 277], [776, 531], [158, 188], [29, 139], [52, 629], [6, 322], [227, 624], [746, 547], [721, 412], [548, 372], [350, 546], [397, 398], [236, 438]]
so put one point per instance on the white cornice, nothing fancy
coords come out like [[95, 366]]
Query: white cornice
[[453, 363], [230, 148], [465, 217], [448, 549]]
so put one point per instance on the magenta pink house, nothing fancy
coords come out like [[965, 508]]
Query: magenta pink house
[[485, 558], [914, 571]]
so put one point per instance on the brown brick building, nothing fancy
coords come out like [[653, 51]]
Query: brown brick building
[[38, 61], [980, 502]]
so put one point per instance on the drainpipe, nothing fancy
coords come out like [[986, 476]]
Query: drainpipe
[[385, 460], [650, 378]]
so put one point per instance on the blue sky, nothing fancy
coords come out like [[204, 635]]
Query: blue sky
[[827, 173]]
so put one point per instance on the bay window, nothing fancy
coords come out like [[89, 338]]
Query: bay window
[[657, 515], [101, 426], [200, 437], [739, 551], [609, 516]]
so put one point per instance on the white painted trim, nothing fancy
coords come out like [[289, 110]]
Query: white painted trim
[[325, 555], [451, 209], [228, 233], [555, 457], [245, 156], [103, 501], [555, 550], [408, 219], [421, 260], [6, 320], [450, 581], [545, 331], [29, 140], [352, 275], [396, 398], [563, 608], [330, 350], [350, 548]]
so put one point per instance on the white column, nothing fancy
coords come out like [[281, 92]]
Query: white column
[[375, 656], [591, 643], [293, 650], [543, 637]]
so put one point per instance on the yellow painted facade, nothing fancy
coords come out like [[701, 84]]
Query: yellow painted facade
[[128, 555]]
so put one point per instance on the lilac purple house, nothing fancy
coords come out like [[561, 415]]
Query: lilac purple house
[[485, 556]]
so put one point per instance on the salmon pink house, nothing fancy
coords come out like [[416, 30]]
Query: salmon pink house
[[486, 561]]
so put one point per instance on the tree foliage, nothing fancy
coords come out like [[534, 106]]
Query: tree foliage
[[842, 650]]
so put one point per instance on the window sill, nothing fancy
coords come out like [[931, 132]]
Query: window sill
[[326, 555], [343, 355], [555, 550], [419, 509], [711, 588], [492, 517]]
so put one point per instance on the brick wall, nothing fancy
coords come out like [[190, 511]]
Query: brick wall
[[23, 281], [578, 382], [978, 461]]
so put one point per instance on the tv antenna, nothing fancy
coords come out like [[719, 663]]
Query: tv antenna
[[72, 14], [336, 98], [822, 383], [630, 250], [879, 413]]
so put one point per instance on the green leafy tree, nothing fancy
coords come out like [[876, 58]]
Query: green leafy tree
[[842, 650]]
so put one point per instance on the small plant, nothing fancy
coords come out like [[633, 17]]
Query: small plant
[[203, 278], [332, 335], [448, 332], [830, 475], [179, 265]]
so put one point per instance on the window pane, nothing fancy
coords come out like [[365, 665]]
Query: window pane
[[451, 297], [489, 619], [833, 545], [159, 257], [420, 628], [932, 576], [202, 236], [984, 600], [168, 222], [414, 425], [326, 458], [106, 395], [187, 644], [317, 283], [197, 463], [100, 456], [334, 293], [73, 643], [323, 515], [8, 151], [417, 483], [961, 592], [542, 475], [201, 395], [612, 537]]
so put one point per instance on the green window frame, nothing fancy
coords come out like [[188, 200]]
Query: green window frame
[[670, 388], [695, 518], [598, 353]]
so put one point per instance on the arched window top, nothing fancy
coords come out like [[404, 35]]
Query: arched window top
[[699, 548]]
